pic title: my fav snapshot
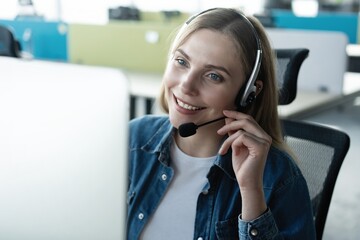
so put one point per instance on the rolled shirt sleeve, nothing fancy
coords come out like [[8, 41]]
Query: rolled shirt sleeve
[[263, 227]]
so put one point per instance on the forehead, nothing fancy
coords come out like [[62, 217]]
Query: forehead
[[213, 44]]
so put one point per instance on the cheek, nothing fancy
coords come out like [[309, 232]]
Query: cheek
[[169, 82], [234, 100], [169, 79], [224, 100]]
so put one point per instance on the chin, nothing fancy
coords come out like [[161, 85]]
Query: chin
[[175, 121]]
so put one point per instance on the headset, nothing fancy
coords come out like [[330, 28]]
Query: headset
[[247, 93]]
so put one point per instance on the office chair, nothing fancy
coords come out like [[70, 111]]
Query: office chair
[[288, 66], [321, 151], [9, 46]]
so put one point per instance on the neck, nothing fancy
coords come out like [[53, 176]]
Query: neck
[[205, 143]]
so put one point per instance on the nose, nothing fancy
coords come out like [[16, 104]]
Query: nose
[[190, 83]]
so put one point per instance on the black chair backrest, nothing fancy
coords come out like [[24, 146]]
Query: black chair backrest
[[320, 150], [9, 46], [288, 66]]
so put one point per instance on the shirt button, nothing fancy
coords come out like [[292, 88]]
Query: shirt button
[[254, 232], [200, 238], [141, 216], [205, 192], [163, 177]]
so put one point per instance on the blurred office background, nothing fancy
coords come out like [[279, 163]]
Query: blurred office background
[[97, 11], [82, 11], [133, 36]]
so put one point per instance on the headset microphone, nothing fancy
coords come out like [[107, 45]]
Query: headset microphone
[[189, 129]]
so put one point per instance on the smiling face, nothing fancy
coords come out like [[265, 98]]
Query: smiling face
[[202, 78]]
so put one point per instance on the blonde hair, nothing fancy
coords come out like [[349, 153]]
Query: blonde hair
[[232, 23]]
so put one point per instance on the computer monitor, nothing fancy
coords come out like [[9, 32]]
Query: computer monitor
[[63, 151], [277, 4]]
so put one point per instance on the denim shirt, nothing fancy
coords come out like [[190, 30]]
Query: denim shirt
[[218, 214]]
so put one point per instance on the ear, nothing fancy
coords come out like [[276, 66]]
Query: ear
[[259, 86]]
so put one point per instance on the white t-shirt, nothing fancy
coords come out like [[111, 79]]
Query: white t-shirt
[[175, 217]]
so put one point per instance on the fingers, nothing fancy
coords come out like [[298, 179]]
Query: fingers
[[228, 142], [242, 139], [228, 121], [243, 131], [237, 120]]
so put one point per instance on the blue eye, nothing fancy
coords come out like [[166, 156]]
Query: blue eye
[[181, 62], [215, 77]]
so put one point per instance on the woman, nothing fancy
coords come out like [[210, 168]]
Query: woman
[[232, 178]]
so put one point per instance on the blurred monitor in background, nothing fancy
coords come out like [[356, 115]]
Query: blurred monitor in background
[[277, 4], [124, 13]]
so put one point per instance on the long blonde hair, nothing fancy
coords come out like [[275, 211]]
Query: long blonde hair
[[232, 23]]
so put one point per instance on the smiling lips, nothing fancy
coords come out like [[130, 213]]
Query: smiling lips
[[187, 106]]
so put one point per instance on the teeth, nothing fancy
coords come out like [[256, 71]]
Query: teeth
[[187, 106]]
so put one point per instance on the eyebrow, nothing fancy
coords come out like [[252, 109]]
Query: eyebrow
[[207, 65]]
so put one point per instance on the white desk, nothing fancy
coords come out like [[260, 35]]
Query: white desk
[[144, 84], [144, 89], [353, 50], [308, 103]]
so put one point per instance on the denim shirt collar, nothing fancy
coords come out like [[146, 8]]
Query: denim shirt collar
[[160, 142]]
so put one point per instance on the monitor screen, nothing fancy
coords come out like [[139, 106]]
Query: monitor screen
[[63, 151]]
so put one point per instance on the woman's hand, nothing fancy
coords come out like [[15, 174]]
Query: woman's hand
[[250, 145]]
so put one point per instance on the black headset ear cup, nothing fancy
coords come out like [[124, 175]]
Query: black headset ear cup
[[250, 97]]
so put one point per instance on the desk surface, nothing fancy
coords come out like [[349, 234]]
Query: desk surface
[[353, 50], [144, 84], [306, 102]]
